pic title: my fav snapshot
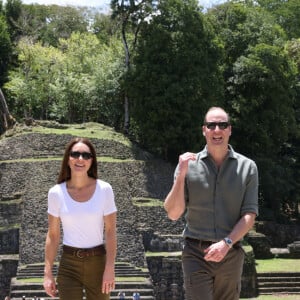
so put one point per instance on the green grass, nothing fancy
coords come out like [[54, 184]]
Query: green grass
[[163, 254], [278, 265], [147, 202], [89, 130], [118, 279], [130, 279], [11, 226], [31, 280], [274, 297]]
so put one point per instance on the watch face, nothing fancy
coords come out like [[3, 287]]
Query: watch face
[[228, 241]]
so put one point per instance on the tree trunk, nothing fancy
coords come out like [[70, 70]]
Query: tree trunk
[[127, 66], [7, 121]]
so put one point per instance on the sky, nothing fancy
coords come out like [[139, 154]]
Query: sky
[[102, 3]]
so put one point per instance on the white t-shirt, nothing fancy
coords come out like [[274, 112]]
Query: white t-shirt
[[82, 222]]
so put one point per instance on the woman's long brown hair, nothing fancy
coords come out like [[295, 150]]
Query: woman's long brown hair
[[65, 171]]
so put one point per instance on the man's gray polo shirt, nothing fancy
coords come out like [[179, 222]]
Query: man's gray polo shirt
[[217, 199]]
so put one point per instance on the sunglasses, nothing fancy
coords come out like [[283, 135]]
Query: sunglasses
[[213, 125], [84, 155]]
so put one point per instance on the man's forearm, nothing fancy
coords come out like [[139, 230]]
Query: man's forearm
[[245, 223], [174, 203]]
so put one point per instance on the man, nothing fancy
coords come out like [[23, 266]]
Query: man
[[217, 189]]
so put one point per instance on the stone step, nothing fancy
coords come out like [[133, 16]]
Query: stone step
[[279, 281], [119, 285], [279, 274], [279, 290], [36, 271], [115, 297], [278, 284], [40, 267], [131, 273], [126, 283], [270, 283], [41, 293]]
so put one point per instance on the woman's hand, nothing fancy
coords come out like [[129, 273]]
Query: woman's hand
[[50, 285], [108, 282]]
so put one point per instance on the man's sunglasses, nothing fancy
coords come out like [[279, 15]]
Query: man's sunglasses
[[84, 155], [213, 125]]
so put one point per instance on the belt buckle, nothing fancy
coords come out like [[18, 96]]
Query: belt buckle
[[78, 253]]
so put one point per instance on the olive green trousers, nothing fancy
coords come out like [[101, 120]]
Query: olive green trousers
[[79, 277], [204, 280]]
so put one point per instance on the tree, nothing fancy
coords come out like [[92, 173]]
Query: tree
[[76, 82], [287, 14], [130, 14], [293, 151], [240, 27], [175, 78], [31, 85], [260, 92], [48, 24], [62, 21], [262, 101], [104, 27], [12, 12], [6, 119], [5, 49]]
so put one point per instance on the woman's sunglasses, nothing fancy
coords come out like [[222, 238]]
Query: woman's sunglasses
[[213, 125], [84, 155]]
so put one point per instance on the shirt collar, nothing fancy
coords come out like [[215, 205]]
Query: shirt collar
[[204, 153]]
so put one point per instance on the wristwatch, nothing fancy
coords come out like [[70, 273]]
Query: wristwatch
[[228, 242]]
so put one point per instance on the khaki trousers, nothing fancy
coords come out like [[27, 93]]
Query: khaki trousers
[[211, 280], [81, 276]]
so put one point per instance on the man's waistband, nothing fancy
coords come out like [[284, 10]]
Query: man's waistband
[[204, 243], [84, 252], [200, 242]]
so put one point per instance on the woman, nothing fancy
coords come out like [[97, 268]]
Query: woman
[[85, 207]]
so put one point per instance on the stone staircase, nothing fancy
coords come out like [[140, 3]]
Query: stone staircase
[[278, 283], [129, 279]]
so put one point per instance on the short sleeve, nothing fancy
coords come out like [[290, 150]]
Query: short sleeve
[[110, 205], [54, 201], [250, 203]]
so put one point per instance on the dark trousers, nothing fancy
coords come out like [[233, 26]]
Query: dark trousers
[[211, 280], [76, 275]]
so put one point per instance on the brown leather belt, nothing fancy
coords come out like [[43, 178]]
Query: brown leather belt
[[84, 252], [203, 243], [200, 242]]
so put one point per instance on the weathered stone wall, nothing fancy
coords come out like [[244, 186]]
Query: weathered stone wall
[[249, 276], [279, 235], [8, 269], [167, 276], [9, 241]]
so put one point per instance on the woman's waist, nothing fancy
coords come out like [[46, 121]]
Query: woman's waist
[[84, 252]]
